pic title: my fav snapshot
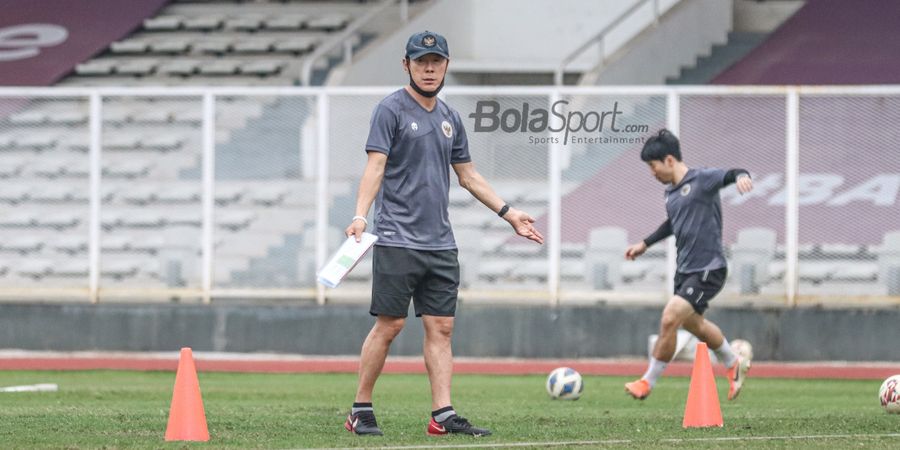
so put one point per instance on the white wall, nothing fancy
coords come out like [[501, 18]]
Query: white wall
[[689, 30], [493, 36]]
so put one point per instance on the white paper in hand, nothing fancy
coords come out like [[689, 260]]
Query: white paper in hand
[[345, 259]]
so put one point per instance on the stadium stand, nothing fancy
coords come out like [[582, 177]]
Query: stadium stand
[[152, 149]]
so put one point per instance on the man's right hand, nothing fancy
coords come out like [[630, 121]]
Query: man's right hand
[[356, 229], [635, 250]]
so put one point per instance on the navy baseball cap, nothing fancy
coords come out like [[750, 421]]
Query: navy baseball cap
[[421, 44]]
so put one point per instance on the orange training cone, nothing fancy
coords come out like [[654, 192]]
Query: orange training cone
[[702, 409], [187, 421]]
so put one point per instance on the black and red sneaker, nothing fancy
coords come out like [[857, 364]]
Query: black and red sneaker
[[457, 425], [363, 423]]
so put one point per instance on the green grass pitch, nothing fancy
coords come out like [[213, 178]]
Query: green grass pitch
[[121, 409]]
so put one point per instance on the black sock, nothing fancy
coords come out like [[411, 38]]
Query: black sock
[[442, 414], [357, 407]]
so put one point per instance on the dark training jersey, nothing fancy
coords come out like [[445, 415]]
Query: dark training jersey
[[695, 213], [411, 208]]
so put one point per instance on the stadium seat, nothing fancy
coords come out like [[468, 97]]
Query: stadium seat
[[228, 194], [262, 68], [330, 22], [58, 194], [129, 169], [96, 67], [12, 169], [28, 118], [267, 195], [603, 257], [297, 45], [136, 67], [243, 23], [18, 219], [234, 220], [70, 269], [131, 46], [201, 23], [180, 194], [35, 269], [139, 195], [60, 220], [220, 67], [182, 218], [162, 142], [212, 46], [287, 22], [163, 23], [179, 67], [69, 244], [36, 141], [258, 45], [15, 194], [143, 219], [22, 244], [751, 255], [815, 272], [170, 46]]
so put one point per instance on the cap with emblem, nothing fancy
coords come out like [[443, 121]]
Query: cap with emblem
[[421, 44]]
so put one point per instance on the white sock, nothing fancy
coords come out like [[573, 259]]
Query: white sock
[[654, 371], [725, 354]]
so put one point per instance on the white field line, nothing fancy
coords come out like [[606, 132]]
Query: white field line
[[635, 441]]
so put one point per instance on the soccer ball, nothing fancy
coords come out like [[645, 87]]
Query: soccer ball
[[742, 348], [564, 383], [889, 394]]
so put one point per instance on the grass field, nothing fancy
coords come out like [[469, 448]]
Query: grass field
[[120, 409]]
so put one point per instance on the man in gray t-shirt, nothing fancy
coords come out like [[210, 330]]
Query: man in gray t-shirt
[[695, 218], [414, 140]]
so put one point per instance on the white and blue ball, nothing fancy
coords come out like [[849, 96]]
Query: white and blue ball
[[564, 383]]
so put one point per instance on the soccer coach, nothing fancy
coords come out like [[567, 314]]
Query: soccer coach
[[414, 139]]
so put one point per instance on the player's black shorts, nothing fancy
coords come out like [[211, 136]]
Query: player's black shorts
[[699, 288], [429, 277]]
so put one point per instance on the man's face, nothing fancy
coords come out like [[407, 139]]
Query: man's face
[[427, 71], [664, 170]]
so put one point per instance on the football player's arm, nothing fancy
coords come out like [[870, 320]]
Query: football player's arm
[[741, 177], [472, 181], [635, 250], [368, 189]]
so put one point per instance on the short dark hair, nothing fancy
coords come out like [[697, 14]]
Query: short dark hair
[[660, 145]]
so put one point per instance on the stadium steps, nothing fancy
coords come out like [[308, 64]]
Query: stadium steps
[[279, 268], [259, 151], [721, 57]]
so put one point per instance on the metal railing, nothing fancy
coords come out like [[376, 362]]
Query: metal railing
[[788, 100], [345, 38], [600, 39]]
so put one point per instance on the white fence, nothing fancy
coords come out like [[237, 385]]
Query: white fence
[[211, 193]]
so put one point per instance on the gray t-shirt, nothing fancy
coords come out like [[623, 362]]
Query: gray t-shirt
[[411, 206], [695, 212]]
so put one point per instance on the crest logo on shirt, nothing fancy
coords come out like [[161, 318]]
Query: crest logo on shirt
[[685, 190], [448, 130], [414, 126]]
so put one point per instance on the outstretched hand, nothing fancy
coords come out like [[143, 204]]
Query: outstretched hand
[[523, 224], [744, 184], [635, 250]]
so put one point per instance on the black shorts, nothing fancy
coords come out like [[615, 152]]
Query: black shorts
[[429, 277], [698, 288]]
